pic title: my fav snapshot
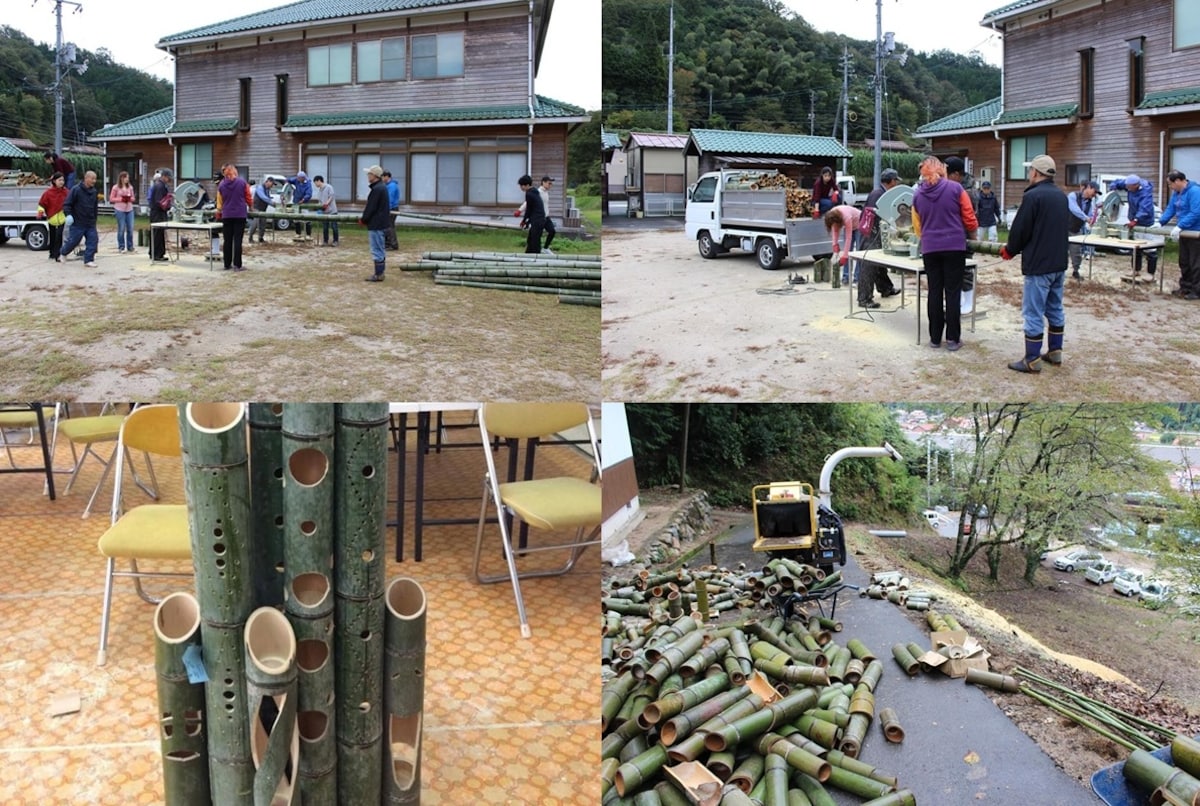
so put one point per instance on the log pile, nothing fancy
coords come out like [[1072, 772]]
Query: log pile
[[799, 201], [576, 280], [19, 178]]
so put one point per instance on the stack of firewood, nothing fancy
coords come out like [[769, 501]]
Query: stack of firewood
[[799, 202]]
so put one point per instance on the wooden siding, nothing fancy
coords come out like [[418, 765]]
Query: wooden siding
[[620, 488], [148, 155]]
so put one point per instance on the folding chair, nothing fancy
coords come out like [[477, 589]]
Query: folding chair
[[90, 431], [558, 503], [21, 416], [149, 531]]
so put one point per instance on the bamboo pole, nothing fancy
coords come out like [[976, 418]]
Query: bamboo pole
[[361, 489], [271, 691], [180, 702], [266, 503], [565, 283], [530, 289], [308, 505], [359, 698], [315, 715], [508, 256], [404, 697], [594, 302]]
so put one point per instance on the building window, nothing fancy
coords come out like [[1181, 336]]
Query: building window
[[437, 55], [1087, 76], [382, 60], [243, 104], [1186, 24], [1078, 173], [493, 167], [196, 161], [1137, 71], [281, 99], [329, 64], [1020, 151]]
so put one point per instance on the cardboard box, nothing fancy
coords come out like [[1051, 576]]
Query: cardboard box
[[953, 652]]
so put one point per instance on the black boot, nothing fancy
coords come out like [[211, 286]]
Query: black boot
[[377, 277], [1032, 360], [1053, 354]]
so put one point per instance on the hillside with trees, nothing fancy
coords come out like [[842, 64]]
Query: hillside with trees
[[107, 93], [755, 65]]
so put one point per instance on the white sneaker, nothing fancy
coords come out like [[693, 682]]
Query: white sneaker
[[91, 264], [547, 252]]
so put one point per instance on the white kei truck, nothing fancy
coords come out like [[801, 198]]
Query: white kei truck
[[18, 215]]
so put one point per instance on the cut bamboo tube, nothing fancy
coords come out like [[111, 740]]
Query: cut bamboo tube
[[184, 737], [404, 695], [361, 489], [271, 690], [266, 501], [308, 506], [359, 698]]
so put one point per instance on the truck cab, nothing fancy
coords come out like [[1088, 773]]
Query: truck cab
[[849, 191], [1101, 572]]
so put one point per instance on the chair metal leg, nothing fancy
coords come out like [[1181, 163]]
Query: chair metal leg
[[508, 557], [108, 584], [103, 477]]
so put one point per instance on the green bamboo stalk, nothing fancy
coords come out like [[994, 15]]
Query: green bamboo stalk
[[774, 715], [271, 691], [266, 501], [509, 271], [361, 490], [1185, 751], [776, 775], [308, 507], [907, 662], [890, 724], [632, 774], [732, 796], [404, 697], [509, 256], [797, 757], [613, 695], [230, 766], [1168, 734], [184, 738], [903, 797], [647, 797], [669, 705], [358, 653], [839, 759], [813, 788], [708, 655], [669, 795], [531, 289], [856, 784], [610, 745], [721, 764], [1075, 716], [315, 718], [748, 773], [682, 724]]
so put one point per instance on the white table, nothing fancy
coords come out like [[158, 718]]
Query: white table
[[1133, 245], [211, 229], [911, 265]]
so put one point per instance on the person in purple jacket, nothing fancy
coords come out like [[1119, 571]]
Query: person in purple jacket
[[944, 218], [233, 204]]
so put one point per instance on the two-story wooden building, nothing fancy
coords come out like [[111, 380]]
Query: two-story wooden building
[[1105, 87], [439, 92]]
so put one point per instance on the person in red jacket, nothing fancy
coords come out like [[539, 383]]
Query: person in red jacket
[[50, 208]]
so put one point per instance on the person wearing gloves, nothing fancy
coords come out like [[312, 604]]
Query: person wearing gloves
[[50, 209], [1184, 207], [1039, 235], [82, 207], [1140, 195], [839, 219], [825, 193], [1081, 204], [943, 217], [302, 194], [260, 201]]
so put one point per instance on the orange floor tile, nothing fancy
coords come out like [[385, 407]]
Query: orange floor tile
[[507, 720]]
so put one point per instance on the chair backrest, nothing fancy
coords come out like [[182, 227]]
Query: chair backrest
[[525, 420], [153, 429]]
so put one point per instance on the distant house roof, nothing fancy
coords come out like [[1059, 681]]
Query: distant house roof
[[609, 139], [702, 141], [8, 149], [1013, 9], [887, 145], [977, 117], [655, 140], [543, 109], [151, 124], [1038, 114], [1170, 101]]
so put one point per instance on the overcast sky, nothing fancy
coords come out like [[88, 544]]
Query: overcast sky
[[569, 70], [923, 25]]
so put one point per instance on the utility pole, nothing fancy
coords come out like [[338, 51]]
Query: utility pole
[[671, 74], [812, 112], [845, 103], [878, 166], [62, 59]]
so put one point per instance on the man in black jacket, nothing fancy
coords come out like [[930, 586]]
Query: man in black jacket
[[376, 216], [1039, 235], [873, 275], [535, 215], [161, 189], [81, 209]]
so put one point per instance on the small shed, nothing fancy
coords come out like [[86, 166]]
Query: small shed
[[613, 164], [657, 173], [800, 156], [9, 151]]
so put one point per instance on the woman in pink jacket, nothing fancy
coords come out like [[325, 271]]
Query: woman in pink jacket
[[839, 219], [122, 197]]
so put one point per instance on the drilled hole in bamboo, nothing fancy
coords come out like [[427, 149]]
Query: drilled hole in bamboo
[[368, 471], [365, 635], [279, 568], [368, 556], [228, 681], [214, 417], [311, 654], [279, 472], [230, 696], [310, 589], [182, 755], [220, 563], [404, 740], [365, 707], [405, 598], [277, 409], [219, 549], [308, 466], [313, 725], [279, 518], [193, 722], [168, 726], [308, 528]]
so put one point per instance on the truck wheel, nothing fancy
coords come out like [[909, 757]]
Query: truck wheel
[[708, 249], [769, 255], [282, 224], [36, 238]]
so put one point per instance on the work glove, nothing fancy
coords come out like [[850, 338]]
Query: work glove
[[516, 213], [1175, 233], [41, 213], [1004, 255], [844, 259], [70, 220]]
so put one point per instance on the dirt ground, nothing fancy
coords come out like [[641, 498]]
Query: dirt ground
[[676, 326], [299, 323], [1083, 636]]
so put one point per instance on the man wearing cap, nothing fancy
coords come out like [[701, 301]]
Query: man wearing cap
[[1140, 195], [1039, 235], [873, 275], [160, 190], [534, 215], [987, 212], [1080, 204], [303, 193], [376, 217], [1184, 207]]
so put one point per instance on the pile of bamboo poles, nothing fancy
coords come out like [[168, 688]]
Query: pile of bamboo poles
[[767, 711], [897, 589], [576, 280], [317, 694]]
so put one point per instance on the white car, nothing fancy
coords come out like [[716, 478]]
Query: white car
[[1155, 591], [1101, 572], [1129, 582], [1078, 558]]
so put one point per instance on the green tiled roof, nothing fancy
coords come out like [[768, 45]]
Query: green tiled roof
[[202, 126], [1005, 11], [730, 142], [1034, 114], [304, 11], [146, 125], [1163, 98], [544, 108], [609, 139], [7, 149], [976, 117]]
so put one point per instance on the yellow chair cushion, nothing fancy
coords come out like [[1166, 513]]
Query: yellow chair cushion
[[151, 531], [24, 419], [85, 430], [557, 503]]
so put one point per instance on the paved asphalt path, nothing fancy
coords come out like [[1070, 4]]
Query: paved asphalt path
[[945, 720]]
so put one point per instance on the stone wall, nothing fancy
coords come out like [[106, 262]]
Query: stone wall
[[690, 523]]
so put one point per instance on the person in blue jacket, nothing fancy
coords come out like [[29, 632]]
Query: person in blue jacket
[[303, 193], [393, 193], [1184, 207], [1140, 195]]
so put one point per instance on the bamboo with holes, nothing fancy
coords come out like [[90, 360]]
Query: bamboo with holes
[[180, 702], [404, 693]]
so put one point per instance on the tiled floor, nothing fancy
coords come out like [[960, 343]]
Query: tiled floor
[[507, 720]]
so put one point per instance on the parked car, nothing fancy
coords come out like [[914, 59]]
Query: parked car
[[281, 193], [1129, 582], [1079, 558], [1155, 591], [1101, 572]]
